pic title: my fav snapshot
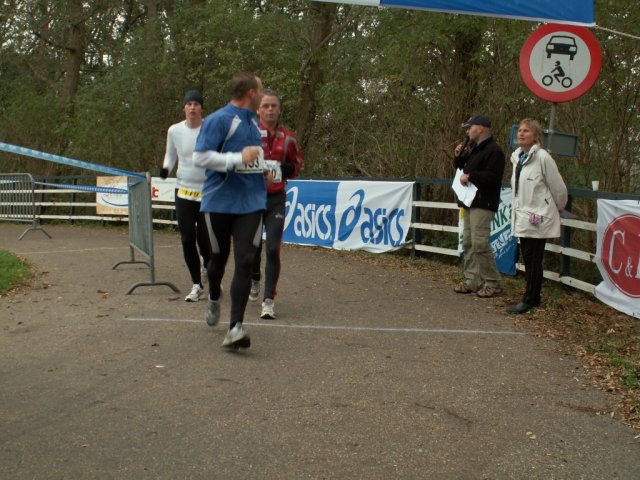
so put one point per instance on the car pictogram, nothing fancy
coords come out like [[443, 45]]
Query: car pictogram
[[562, 45]]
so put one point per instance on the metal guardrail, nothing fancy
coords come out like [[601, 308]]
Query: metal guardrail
[[17, 201]]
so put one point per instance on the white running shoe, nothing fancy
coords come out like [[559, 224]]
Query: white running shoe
[[255, 290], [267, 309], [194, 294], [236, 338]]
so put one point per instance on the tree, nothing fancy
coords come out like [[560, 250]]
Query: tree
[[370, 92]]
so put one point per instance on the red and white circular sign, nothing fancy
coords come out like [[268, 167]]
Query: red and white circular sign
[[560, 63], [620, 255]]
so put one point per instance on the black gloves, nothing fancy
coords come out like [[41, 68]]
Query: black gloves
[[164, 173], [287, 169]]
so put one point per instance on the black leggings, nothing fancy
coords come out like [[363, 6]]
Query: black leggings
[[192, 230], [274, 226], [532, 254], [245, 229]]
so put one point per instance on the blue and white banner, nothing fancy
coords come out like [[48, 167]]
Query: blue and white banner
[[618, 255], [503, 243], [574, 12], [349, 215], [72, 162]]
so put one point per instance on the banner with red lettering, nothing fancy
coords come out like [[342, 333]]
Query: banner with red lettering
[[118, 203], [618, 255]]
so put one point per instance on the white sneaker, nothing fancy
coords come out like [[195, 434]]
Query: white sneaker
[[255, 290], [267, 309], [236, 338], [194, 294]]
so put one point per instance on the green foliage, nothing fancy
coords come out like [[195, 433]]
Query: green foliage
[[13, 271], [370, 92]]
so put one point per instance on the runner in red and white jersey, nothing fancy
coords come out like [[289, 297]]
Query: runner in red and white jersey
[[284, 158]]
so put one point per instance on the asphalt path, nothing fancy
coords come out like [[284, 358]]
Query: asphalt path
[[368, 372]]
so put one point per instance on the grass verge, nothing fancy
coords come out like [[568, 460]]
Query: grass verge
[[14, 272]]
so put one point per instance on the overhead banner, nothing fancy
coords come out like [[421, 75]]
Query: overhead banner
[[573, 12], [618, 255], [349, 215]]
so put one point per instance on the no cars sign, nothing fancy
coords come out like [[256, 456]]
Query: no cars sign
[[560, 63]]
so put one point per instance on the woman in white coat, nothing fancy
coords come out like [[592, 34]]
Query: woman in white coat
[[539, 195]]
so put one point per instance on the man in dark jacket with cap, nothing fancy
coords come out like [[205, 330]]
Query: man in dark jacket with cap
[[482, 165]]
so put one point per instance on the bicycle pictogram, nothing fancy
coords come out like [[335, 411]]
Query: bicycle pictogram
[[558, 75]]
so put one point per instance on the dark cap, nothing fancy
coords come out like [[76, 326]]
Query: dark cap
[[477, 120], [193, 96]]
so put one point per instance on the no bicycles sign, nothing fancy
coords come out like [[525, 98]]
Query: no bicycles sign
[[560, 63]]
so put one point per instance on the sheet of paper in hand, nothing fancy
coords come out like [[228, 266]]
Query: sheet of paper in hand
[[465, 193]]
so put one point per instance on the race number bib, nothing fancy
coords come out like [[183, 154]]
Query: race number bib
[[274, 167], [257, 166]]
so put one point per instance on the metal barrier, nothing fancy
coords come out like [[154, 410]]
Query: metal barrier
[[139, 193], [141, 230], [17, 201]]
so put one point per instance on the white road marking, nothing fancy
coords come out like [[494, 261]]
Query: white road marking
[[338, 327], [97, 249]]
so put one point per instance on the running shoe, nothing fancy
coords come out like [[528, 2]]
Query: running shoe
[[213, 313], [236, 338], [255, 290], [194, 294], [267, 309]]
